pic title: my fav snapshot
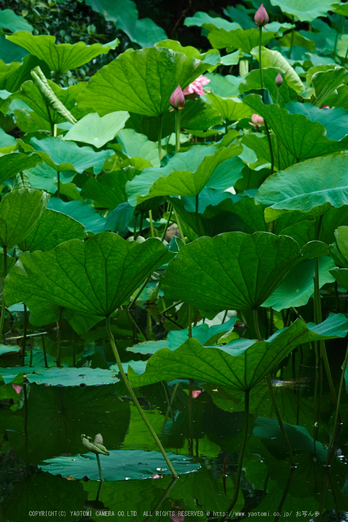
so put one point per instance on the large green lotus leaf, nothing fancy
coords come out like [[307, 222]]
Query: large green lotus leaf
[[20, 211], [42, 114], [231, 109], [63, 57], [11, 164], [81, 212], [109, 190], [64, 155], [277, 60], [341, 237], [52, 229], [183, 182], [9, 20], [325, 83], [7, 142], [124, 14], [92, 277], [136, 145], [335, 121], [200, 19], [43, 177], [298, 286], [119, 465], [303, 138], [281, 95], [96, 130], [305, 11], [183, 161], [140, 81], [230, 271], [241, 364], [64, 414], [240, 39], [306, 187]]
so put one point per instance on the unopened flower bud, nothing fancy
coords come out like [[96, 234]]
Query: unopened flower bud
[[177, 99], [257, 120], [279, 80], [261, 17], [325, 107]]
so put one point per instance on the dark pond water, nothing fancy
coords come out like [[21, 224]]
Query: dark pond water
[[43, 422]]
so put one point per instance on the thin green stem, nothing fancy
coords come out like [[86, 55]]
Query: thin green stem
[[337, 422], [241, 456], [270, 389], [151, 224], [135, 400], [167, 224], [270, 146], [3, 308], [179, 226], [177, 129], [99, 468], [280, 422], [160, 125], [44, 350], [260, 58]]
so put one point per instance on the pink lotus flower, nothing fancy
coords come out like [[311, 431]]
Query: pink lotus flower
[[197, 85], [325, 107], [261, 17], [17, 388], [195, 393], [279, 80], [257, 120], [177, 99]]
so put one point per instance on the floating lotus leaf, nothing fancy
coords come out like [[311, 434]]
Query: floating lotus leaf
[[119, 465]]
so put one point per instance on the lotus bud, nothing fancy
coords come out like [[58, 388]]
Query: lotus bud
[[257, 120], [177, 99], [261, 17], [279, 80], [325, 107]]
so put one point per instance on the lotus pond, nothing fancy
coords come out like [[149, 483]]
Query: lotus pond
[[174, 265]]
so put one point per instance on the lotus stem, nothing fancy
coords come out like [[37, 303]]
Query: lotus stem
[[260, 58], [270, 389], [177, 129], [135, 400], [99, 468], [3, 309], [241, 456], [160, 125], [151, 224], [337, 423]]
